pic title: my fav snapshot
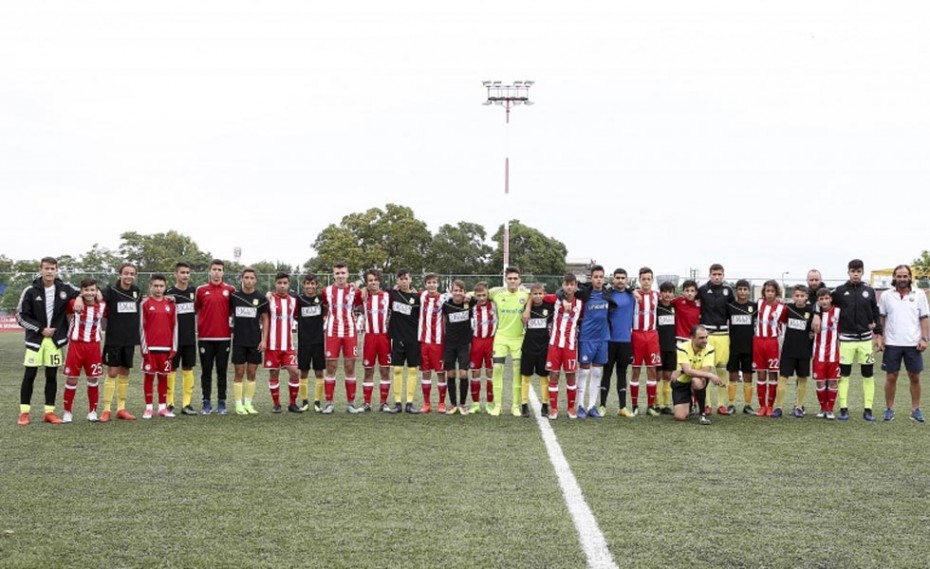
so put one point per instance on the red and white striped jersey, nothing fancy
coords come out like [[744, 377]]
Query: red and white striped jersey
[[484, 320], [340, 303], [85, 327], [431, 328], [826, 342], [377, 307], [564, 332], [281, 322], [770, 319], [158, 326], [645, 317]]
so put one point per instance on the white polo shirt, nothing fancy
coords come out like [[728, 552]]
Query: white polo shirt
[[902, 316]]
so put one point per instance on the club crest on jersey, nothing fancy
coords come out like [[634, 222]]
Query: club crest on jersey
[[203, 350], [225, 293], [726, 292], [410, 301], [62, 295], [545, 312], [522, 301], [807, 315], [466, 305], [255, 301], [316, 300], [135, 294], [749, 309], [148, 367], [865, 294], [167, 308], [697, 303]]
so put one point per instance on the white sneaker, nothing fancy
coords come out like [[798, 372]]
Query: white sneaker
[[67, 417], [92, 417], [166, 413], [147, 414]]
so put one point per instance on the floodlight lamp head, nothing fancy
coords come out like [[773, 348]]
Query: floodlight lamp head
[[486, 83]]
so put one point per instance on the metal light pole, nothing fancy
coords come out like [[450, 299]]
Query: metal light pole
[[783, 275], [507, 96]]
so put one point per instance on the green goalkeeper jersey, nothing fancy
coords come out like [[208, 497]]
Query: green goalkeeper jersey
[[510, 306]]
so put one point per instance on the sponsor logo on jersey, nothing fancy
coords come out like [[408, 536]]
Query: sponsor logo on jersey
[[537, 323], [459, 317], [310, 311], [666, 320], [797, 324], [246, 312], [402, 308], [185, 308], [126, 307], [739, 320]]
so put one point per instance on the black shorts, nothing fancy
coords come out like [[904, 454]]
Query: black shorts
[[186, 358], [681, 393], [118, 356], [740, 362], [531, 364], [794, 366], [669, 361], [452, 355], [310, 355], [246, 355], [405, 353]]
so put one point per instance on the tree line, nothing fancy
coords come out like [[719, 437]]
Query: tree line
[[388, 239]]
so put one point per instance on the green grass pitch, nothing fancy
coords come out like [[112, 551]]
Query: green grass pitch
[[434, 491]]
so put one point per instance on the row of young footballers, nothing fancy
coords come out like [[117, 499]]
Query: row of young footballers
[[443, 332]]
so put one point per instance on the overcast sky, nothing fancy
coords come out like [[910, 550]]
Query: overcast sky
[[769, 136]]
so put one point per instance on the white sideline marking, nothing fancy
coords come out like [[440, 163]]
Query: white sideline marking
[[590, 535]]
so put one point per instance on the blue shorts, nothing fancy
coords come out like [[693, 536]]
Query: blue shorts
[[891, 359], [592, 352]]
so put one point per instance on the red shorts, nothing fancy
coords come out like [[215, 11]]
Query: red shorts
[[765, 354], [157, 363], [276, 359], [431, 357], [481, 351], [646, 350], [825, 371], [562, 358], [83, 356], [348, 346], [377, 348]]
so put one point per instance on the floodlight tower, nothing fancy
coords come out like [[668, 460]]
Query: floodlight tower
[[507, 96]]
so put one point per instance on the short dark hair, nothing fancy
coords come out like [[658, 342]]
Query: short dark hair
[[458, 283], [619, 271], [824, 292], [855, 264], [689, 284], [666, 287], [158, 277], [88, 282], [569, 278], [481, 286], [537, 286], [402, 273], [774, 284], [695, 328], [644, 270], [123, 266], [716, 267], [282, 275], [217, 262], [742, 282], [248, 270], [48, 261], [310, 278], [801, 287], [181, 264], [512, 269], [597, 268], [373, 273], [430, 277], [340, 265]]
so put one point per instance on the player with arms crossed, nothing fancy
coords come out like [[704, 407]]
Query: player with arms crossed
[[278, 342], [158, 340], [563, 345], [84, 351], [340, 300]]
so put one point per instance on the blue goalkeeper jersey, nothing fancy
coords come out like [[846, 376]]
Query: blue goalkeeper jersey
[[621, 317]]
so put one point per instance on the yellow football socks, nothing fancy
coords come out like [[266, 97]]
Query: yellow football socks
[[122, 391], [802, 390], [187, 385], [544, 390], [525, 388], [398, 386], [249, 390], [237, 391], [319, 386], [780, 392], [109, 388]]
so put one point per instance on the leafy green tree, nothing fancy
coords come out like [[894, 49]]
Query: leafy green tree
[[531, 250], [922, 266], [100, 260], [159, 252], [460, 250], [385, 239]]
